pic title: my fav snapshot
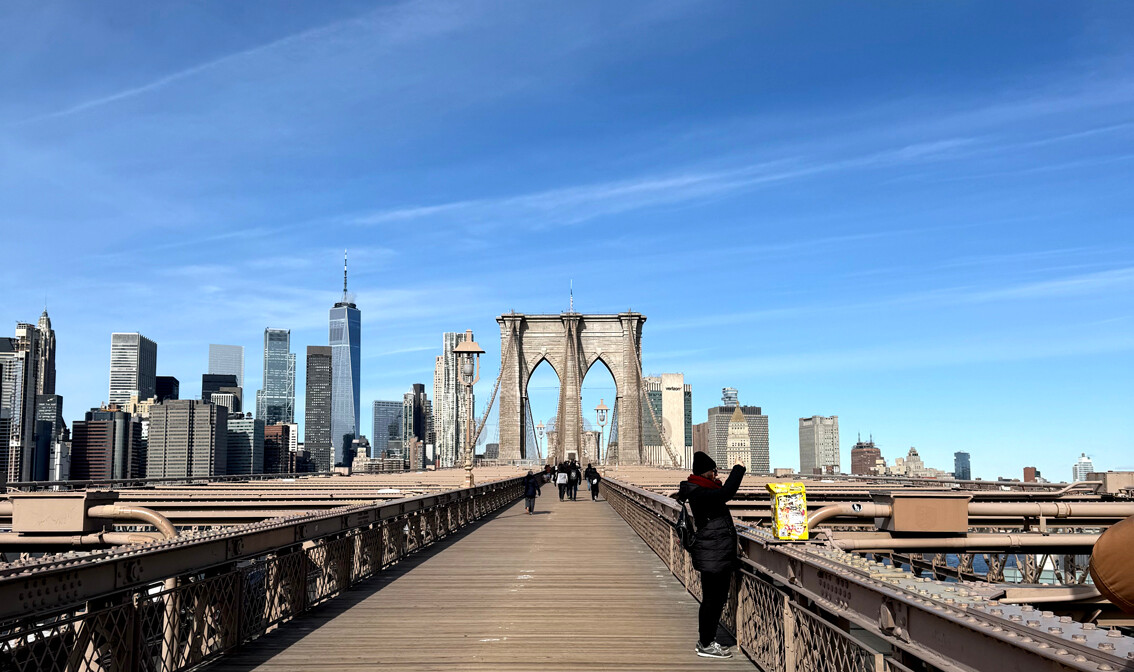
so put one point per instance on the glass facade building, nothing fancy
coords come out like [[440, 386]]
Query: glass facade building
[[275, 403], [961, 468], [133, 368], [227, 359], [345, 332], [317, 419], [387, 422]]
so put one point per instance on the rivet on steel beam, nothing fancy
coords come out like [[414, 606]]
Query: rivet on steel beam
[[1113, 632]]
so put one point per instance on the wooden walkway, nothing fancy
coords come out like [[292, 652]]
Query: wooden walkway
[[570, 588]]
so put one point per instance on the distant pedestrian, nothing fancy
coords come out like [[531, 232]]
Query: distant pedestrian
[[714, 548], [531, 491], [573, 478], [561, 481], [593, 479]]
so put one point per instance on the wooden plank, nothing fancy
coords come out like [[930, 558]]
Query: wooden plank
[[569, 588]]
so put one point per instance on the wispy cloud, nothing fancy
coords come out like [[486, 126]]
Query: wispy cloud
[[571, 205]]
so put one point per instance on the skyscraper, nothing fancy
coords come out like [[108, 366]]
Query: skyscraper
[[317, 419], [1081, 468], [729, 397], [245, 452], [133, 367], [819, 445], [108, 443], [387, 423], [45, 353], [212, 383], [27, 372], [721, 417], [739, 443], [672, 402], [344, 337], [277, 447], [227, 359], [449, 403], [416, 414], [168, 387], [275, 403], [187, 437], [864, 457], [961, 469]]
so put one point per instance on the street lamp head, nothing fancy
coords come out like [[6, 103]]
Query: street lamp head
[[539, 429], [601, 410], [468, 353], [468, 346]]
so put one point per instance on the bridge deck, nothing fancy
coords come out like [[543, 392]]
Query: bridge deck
[[570, 588]]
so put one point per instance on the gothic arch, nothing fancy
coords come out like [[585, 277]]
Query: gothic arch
[[571, 343]]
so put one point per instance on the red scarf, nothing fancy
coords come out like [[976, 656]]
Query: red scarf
[[704, 482]]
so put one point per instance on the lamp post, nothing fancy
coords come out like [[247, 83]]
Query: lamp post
[[539, 439], [468, 359], [600, 410]]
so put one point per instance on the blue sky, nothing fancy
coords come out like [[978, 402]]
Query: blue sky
[[914, 216]]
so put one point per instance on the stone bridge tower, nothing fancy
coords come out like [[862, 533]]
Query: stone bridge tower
[[571, 343]]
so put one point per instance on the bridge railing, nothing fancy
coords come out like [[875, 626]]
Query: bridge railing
[[174, 605], [810, 607]]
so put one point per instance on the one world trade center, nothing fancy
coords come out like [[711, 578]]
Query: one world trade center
[[345, 333]]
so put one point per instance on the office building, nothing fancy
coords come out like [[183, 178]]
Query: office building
[[344, 339], [45, 356], [865, 458], [1031, 474], [756, 424], [293, 436], [245, 454], [738, 443], [416, 421], [278, 440], [671, 401], [819, 445], [701, 438], [133, 367], [27, 371], [167, 387], [215, 382], [227, 359], [961, 467], [187, 437], [1081, 468], [275, 402], [730, 398], [450, 407], [317, 419], [51, 437], [387, 422], [107, 444], [912, 466], [226, 399]]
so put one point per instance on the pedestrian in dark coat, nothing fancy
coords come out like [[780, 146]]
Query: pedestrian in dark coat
[[714, 550], [531, 491], [593, 478], [574, 475]]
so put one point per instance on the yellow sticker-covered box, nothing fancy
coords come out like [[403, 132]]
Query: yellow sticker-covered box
[[789, 511]]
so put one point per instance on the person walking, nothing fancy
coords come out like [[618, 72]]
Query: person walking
[[714, 549], [573, 478], [593, 479], [561, 480], [531, 491]]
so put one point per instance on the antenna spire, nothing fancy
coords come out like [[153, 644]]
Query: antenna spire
[[344, 276], [572, 295]]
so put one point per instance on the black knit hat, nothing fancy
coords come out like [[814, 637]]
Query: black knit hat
[[702, 463]]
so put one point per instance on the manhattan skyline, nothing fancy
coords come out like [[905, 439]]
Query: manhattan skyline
[[916, 218]]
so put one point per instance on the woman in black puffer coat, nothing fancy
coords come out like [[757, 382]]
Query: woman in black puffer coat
[[714, 551]]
